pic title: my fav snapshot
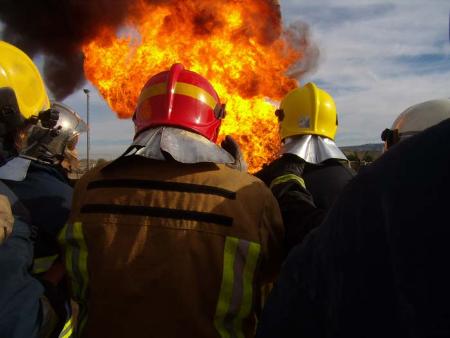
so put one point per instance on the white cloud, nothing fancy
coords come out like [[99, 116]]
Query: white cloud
[[377, 58]]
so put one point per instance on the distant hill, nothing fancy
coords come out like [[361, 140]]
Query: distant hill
[[364, 147], [362, 154]]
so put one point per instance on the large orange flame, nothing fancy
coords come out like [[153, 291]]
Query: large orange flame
[[238, 45]]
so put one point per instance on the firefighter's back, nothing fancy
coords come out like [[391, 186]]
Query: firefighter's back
[[164, 249]]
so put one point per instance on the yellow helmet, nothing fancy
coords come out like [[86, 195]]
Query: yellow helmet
[[18, 72], [308, 110]]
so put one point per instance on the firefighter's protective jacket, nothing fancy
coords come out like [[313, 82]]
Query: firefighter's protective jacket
[[377, 266], [297, 192], [326, 180], [47, 195], [165, 249], [45, 192], [20, 293]]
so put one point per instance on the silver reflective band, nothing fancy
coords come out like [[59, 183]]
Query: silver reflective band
[[312, 148], [184, 146]]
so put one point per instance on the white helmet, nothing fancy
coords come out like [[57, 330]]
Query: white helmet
[[416, 119]]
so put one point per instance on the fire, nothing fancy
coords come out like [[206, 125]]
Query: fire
[[237, 45]]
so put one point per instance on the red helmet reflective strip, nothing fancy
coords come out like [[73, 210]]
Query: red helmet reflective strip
[[157, 89], [196, 93], [181, 88]]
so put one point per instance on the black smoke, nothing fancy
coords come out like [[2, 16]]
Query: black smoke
[[58, 29]]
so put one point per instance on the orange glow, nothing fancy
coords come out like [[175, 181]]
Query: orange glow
[[237, 45]]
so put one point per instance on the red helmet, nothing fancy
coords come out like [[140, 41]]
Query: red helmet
[[179, 98]]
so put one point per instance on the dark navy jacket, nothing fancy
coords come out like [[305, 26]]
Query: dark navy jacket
[[379, 264], [47, 195], [20, 310]]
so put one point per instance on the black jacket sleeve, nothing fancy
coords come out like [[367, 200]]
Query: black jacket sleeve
[[300, 215]]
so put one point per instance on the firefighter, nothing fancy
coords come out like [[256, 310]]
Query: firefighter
[[415, 119], [376, 266], [40, 174], [22, 304], [312, 170], [24, 310], [169, 240]]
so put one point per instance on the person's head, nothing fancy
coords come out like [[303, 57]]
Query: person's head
[[22, 94], [57, 145], [179, 98], [308, 110], [416, 119]]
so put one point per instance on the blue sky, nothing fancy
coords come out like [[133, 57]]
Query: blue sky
[[376, 59]]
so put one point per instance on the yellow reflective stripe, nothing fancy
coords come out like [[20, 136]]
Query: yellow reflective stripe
[[226, 288], [76, 255], [196, 93], [63, 239], [287, 178], [83, 254], [80, 256], [181, 88], [157, 89], [42, 264], [247, 297], [67, 330], [68, 258], [236, 295], [62, 236], [82, 318]]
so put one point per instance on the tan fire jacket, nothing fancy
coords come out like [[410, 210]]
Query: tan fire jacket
[[164, 249]]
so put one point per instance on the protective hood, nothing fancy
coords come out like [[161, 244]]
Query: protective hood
[[312, 148], [184, 146]]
